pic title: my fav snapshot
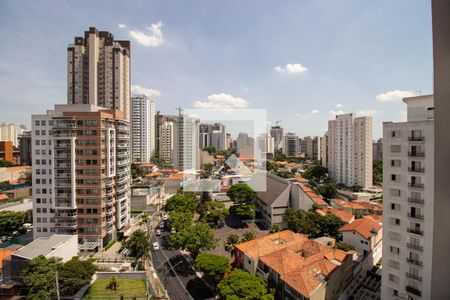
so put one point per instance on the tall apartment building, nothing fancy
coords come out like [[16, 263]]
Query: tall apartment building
[[377, 149], [408, 184], [291, 147], [25, 148], [265, 144], [9, 132], [324, 150], [213, 135], [143, 130], [98, 71], [81, 173], [349, 157], [317, 148], [186, 155], [277, 132], [166, 142]]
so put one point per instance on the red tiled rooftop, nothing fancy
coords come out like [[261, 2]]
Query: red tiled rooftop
[[364, 226], [344, 215]]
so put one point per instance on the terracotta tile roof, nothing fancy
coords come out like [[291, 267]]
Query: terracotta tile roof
[[368, 205], [299, 264], [168, 170], [376, 218], [219, 156], [19, 168], [270, 243], [147, 165], [301, 179], [318, 200], [344, 215], [153, 174], [3, 197], [177, 176], [5, 253], [225, 187], [364, 226]]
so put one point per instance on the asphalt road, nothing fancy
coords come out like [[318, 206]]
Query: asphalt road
[[176, 273]]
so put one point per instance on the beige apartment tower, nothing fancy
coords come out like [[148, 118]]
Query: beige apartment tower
[[81, 173], [98, 71], [349, 150]]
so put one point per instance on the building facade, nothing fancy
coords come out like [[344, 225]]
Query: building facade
[[25, 148], [213, 135], [98, 71], [291, 146], [377, 149], [9, 132], [408, 197], [186, 143], [143, 129], [81, 173], [277, 132], [349, 159], [165, 143]]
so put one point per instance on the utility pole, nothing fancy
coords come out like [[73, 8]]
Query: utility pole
[[57, 285]]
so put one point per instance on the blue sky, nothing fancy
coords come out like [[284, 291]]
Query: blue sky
[[301, 60]]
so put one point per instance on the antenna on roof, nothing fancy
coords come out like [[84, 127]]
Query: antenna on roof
[[276, 122], [180, 110]]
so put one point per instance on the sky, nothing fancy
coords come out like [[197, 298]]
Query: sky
[[303, 61]]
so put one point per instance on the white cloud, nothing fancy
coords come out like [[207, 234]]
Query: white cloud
[[368, 112], [339, 112], [154, 39], [139, 90], [314, 111], [395, 95], [339, 105], [121, 26], [291, 69], [221, 100]]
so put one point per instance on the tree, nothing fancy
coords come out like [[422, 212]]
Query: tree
[[138, 244], [194, 238], [212, 265], [345, 246], [279, 156], [211, 150], [214, 212], [241, 193], [74, 274], [26, 176], [377, 167], [330, 225], [272, 166], [207, 169], [248, 236], [180, 220], [274, 228], [230, 242], [11, 221], [243, 285], [316, 173], [328, 189], [137, 171], [6, 164], [243, 211], [181, 203], [39, 276], [113, 284]]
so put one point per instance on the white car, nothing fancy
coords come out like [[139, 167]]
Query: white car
[[158, 232], [155, 246]]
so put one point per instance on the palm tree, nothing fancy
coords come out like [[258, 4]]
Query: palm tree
[[139, 244], [230, 242]]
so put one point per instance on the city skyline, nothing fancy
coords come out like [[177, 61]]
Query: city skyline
[[300, 76]]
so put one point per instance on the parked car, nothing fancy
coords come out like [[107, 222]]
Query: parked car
[[28, 226], [158, 232], [15, 233], [161, 225], [155, 246]]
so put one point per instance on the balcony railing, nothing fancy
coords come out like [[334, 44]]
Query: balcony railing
[[414, 246], [416, 154], [414, 262], [415, 185], [416, 138], [414, 276], [416, 170], [415, 216], [261, 273], [415, 231], [413, 290], [416, 201]]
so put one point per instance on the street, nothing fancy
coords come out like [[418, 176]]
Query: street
[[176, 273]]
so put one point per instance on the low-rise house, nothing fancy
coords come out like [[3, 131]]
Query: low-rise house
[[307, 192], [344, 215], [57, 245], [246, 255], [371, 207], [366, 235], [145, 195], [306, 269], [354, 208]]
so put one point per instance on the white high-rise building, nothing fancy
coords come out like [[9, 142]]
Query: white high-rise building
[[408, 184], [143, 129], [291, 146], [266, 144], [98, 71], [213, 135], [349, 157], [166, 137], [186, 155], [9, 132]]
